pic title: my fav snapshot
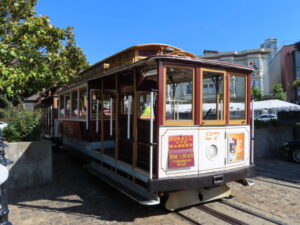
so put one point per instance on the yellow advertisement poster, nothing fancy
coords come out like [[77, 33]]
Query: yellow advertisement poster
[[236, 147]]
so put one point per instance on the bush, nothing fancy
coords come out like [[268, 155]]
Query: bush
[[256, 93], [278, 92], [22, 125]]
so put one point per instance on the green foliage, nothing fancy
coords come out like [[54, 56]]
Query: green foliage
[[296, 83], [256, 93], [23, 125], [278, 92], [33, 53]]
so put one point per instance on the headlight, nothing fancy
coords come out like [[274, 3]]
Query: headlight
[[212, 151]]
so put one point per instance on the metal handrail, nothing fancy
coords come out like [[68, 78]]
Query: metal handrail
[[151, 136]]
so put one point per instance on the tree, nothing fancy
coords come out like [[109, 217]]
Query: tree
[[256, 93], [33, 53], [296, 84], [278, 92]]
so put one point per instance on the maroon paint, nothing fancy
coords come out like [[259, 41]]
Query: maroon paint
[[227, 91], [197, 99], [161, 82]]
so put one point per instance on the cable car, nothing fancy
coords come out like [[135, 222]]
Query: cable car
[[158, 121]]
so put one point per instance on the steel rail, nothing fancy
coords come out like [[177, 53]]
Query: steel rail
[[220, 215], [279, 184], [251, 212], [186, 218]]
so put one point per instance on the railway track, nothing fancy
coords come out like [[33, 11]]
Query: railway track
[[276, 183], [215, 216]]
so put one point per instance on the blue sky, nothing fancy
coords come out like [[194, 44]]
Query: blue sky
[[103, 28]]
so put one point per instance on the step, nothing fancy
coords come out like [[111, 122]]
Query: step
[[124, 185]]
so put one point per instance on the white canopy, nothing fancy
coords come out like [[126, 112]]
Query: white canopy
[[277, 105]]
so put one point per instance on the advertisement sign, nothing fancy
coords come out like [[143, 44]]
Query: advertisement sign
[[181, 151], [236, 147]]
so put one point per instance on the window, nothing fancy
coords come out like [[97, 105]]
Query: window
[[189, 89], [95, 94], [213, 99], [126, 104], [108, 105], [126, 100], [82, 103], [237, 105], [298, 72], [145, 106], [297, 64], [178, 104], [62, 106], [68, 105], [74, 97]]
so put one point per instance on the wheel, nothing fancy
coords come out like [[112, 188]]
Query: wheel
[[296, 155]]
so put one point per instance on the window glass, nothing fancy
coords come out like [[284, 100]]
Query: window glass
[[297, 58], [298, 72], [126, 100], [82, 103], [179, 98], [62, 105], [145, 106], [213, 100], [108, 105], [95, 94], [126, 104], [68, 105], [237, 105], [75, 112]]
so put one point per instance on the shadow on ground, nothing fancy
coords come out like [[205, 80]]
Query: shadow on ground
[[75, 191], [278, 169]]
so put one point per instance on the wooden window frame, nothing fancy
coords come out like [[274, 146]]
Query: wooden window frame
[[65, 114], [178, 122], [91, 101], [243, 121], [213, 122], [72, 116], [61, 96], [63, 93], [84, 118], [109, 92]]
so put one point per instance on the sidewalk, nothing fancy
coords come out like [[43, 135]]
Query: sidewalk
[[76, 197]]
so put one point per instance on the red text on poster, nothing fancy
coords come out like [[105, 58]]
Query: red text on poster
[[181, 151]]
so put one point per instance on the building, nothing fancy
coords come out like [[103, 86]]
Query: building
[[285, 68], [257, 58], [270, 43]]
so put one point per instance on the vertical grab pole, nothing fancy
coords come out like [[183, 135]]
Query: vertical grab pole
[[48, 116], [51, 120], [128, 116], [110, 118], [97, 115], [87, 113], [151, 136], [252, 131]]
